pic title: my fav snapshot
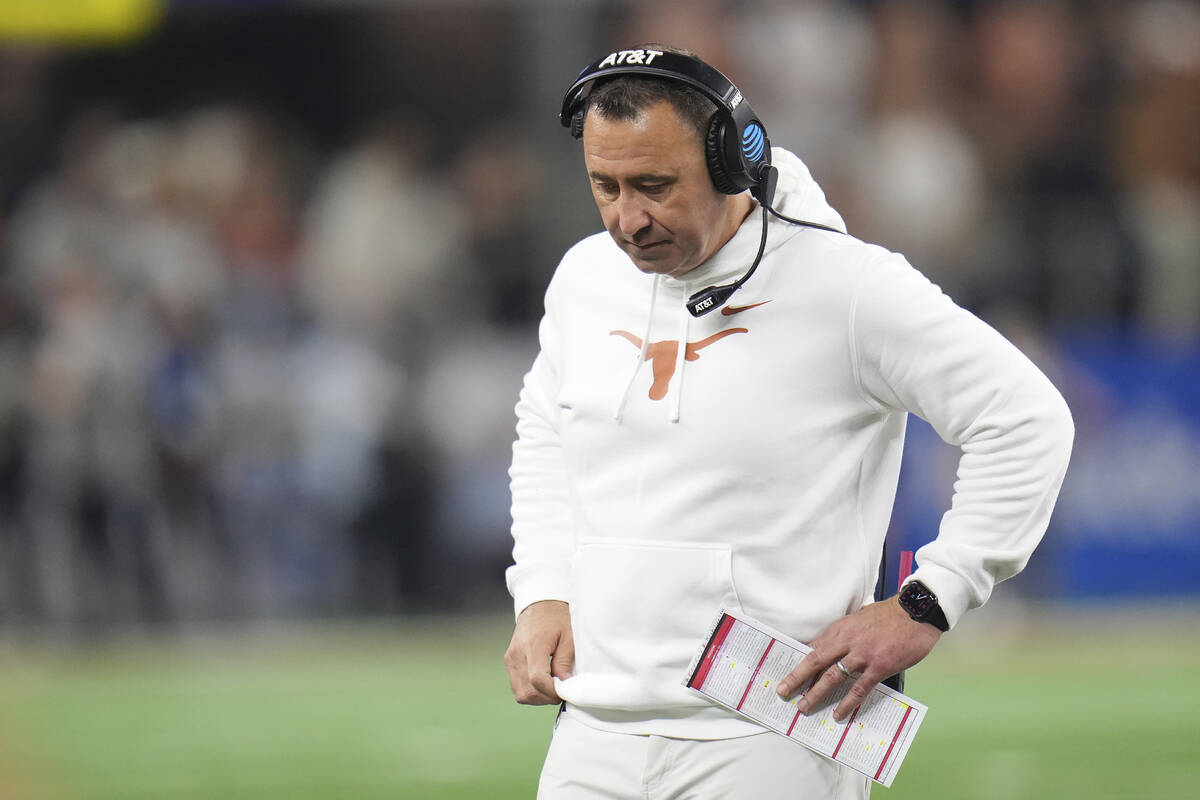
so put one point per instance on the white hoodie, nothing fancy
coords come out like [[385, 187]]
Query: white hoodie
[[756, 468]]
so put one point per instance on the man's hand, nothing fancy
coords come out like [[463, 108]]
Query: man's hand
[[542, 648], [878, 641]]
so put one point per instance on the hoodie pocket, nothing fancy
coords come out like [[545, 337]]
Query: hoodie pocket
[[641, 608]]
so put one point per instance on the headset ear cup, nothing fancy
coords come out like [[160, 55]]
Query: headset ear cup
[[577, 124], [714, 153]]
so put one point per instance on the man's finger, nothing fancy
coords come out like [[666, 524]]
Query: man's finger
[[543, 684], [855, 696], [532, 686], [529, 675], [829, 681], [802, 675]]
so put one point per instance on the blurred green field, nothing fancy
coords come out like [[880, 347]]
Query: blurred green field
[[1074, 707]]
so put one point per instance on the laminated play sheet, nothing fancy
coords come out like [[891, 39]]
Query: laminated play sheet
[[742, 662]]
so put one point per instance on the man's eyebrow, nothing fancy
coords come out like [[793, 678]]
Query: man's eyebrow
[[642, 177]]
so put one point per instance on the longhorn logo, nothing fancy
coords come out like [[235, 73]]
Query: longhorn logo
[[661, 356]]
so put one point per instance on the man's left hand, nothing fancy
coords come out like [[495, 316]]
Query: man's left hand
[[877, 641]]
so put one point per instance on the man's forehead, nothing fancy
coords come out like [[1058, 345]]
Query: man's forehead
[[660, 118], [655, 143]]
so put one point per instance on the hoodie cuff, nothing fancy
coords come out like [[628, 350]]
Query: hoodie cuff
[[953, 593], [544, 580]]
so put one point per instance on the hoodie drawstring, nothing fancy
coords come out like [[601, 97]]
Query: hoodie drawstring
[[685, 322], [641, 358]]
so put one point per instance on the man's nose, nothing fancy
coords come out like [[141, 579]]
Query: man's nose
[[632, 215]]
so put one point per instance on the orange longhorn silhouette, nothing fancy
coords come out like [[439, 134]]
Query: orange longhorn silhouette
[[661, 356]]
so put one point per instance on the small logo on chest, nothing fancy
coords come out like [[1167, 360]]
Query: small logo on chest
[[662, 356]]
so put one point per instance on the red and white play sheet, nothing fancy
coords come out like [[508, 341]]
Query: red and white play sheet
[[739, 667]]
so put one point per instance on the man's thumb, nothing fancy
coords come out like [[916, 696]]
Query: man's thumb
[[563, 661]]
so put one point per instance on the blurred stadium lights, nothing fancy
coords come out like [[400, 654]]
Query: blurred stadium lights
[[575, 5], [122, 21], [78, 20]]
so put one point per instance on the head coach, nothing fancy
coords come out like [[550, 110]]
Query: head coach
[[715, 419]]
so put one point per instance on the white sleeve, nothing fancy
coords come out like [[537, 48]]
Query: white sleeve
[[919, 352], [543, 533]]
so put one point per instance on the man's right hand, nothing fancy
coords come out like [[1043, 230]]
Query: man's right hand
[[542, 648]]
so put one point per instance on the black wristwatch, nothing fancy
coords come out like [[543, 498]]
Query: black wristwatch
[[922, 605]]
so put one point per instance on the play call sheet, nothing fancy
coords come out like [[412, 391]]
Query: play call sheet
[[743, 661]]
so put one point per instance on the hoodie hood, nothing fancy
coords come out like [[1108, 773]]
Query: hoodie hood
[[798, 195]]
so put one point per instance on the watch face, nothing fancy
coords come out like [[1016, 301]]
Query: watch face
[[922, 605], [917, 600]]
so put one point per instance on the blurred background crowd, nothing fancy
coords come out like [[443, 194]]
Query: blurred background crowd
[[270, 274]]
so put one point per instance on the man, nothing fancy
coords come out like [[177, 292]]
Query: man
[[671, 462]]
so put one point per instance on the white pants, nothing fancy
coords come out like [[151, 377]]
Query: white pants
[[589, 764]]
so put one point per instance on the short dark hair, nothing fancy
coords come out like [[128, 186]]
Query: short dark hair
[[625, 97]]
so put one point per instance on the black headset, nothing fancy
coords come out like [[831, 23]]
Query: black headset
[[737, 149]]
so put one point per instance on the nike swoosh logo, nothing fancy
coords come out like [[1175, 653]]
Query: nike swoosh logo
[[729, 311]]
